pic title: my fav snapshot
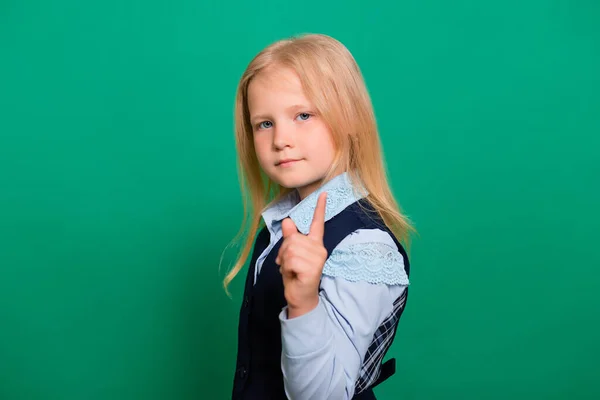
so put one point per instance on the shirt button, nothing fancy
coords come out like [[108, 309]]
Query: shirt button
[[242, 372], [246, 301]]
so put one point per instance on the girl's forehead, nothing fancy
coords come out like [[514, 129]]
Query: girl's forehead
[[279, 84], [282, 77]]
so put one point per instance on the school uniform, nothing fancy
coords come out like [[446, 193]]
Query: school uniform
[[336, 350]]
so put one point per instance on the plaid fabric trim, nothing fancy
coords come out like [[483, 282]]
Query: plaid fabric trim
[[382, 340]]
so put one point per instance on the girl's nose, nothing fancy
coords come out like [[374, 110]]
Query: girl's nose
[[282, 138]]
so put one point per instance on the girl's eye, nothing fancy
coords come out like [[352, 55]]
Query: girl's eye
[[265, 125], [304, 116]]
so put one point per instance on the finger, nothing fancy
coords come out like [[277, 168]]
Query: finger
[[279, 257], [281, 254], [288, 227], [300, 267], [317, 227], [286, 240]]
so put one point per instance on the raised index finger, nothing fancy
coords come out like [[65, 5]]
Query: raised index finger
[[317, 227]]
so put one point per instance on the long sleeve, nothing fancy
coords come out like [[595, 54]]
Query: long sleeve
[[323, 350]]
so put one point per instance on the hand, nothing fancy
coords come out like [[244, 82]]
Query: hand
[[302, 258]]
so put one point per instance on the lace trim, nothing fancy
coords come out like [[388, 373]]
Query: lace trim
[[338, 198], [340, 194], [372, 262]]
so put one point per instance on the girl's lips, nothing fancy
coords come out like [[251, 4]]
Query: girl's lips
[[287, 163]]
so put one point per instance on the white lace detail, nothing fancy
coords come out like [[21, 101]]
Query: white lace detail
[[372, 262]]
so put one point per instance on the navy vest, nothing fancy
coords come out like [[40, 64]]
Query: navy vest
[[258, 373]]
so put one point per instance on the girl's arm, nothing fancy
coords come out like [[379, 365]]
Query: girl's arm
[[323, 350]]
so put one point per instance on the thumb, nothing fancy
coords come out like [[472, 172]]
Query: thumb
[[288, 227]]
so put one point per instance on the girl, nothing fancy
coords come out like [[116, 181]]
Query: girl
[[328, 276]]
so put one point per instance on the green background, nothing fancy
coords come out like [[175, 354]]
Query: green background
[[118, 191]]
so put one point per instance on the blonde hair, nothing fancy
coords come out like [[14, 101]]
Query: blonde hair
[[333, 81]]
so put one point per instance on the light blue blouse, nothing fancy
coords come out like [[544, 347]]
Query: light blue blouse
[[323, 350]]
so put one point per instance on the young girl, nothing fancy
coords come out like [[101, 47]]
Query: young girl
[[328, 276]]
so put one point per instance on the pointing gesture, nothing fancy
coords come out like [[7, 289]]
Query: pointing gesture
[[301, 258]]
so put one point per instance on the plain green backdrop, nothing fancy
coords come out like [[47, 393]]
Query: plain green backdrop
[[118, 191]]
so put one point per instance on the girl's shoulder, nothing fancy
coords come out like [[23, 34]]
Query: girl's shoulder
[[364, 249], [369, 255]]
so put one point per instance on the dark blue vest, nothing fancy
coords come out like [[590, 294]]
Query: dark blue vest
[[258, 373]]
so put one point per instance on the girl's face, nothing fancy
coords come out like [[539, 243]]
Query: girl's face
[[293, 144]]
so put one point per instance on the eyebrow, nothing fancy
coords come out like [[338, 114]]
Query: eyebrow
[[266, 116]]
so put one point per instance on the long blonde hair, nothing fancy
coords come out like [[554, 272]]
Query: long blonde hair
[[333, 81]]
